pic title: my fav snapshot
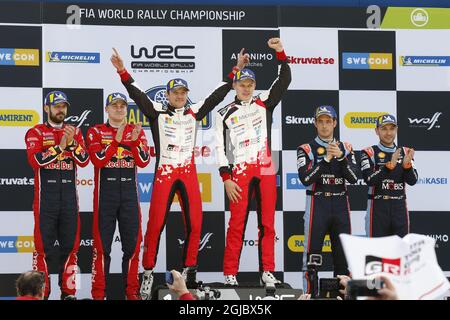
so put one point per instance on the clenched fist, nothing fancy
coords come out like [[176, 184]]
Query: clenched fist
[[275, 43]]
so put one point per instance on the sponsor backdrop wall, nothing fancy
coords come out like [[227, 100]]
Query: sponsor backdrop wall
[[402, 68]]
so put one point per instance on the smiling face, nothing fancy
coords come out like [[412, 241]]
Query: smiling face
[[177, 97], [387, 134], [244, 89]]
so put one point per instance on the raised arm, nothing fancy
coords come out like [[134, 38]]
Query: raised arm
[[140, 97], [221, 91], [273, 96]]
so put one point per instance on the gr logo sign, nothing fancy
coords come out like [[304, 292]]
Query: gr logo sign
[[375, 265], [162, 52]]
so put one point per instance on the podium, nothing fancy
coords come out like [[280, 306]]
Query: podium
[[218, 291]]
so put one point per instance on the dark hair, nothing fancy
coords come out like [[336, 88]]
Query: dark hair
[[30, 283]]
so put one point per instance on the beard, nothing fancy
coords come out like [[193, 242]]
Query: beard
[[57, 118]]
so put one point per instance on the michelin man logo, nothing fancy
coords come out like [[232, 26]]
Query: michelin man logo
[[53, 57], [407, 61]]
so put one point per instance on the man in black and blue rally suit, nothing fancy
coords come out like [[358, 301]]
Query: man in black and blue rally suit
[[324, 166], [386, 169]]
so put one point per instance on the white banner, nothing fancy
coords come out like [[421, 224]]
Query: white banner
[[410, 263]]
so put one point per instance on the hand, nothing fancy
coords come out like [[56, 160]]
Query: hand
[[339, 152], [329, 155], [136, 131], [117, 61], [408, 157], [388, 292], [69, 132], [179, 285], [119, 134], [275, 43], [63, 142], [343, 282], [233, 191], [305, 296], [333, 150], [395, 157], [243, 60]]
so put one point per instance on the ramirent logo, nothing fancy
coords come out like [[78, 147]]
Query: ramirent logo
[[78, 120], [362, 120], [425, 122], [203, 242], [296, 243], [18, 118]]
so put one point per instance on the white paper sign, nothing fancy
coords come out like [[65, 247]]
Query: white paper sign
[[410, 263]]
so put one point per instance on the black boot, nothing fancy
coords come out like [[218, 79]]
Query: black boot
[[190, 276]]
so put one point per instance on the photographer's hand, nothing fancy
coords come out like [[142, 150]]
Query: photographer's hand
[[179, 285], [387, 292], [343, 282]]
